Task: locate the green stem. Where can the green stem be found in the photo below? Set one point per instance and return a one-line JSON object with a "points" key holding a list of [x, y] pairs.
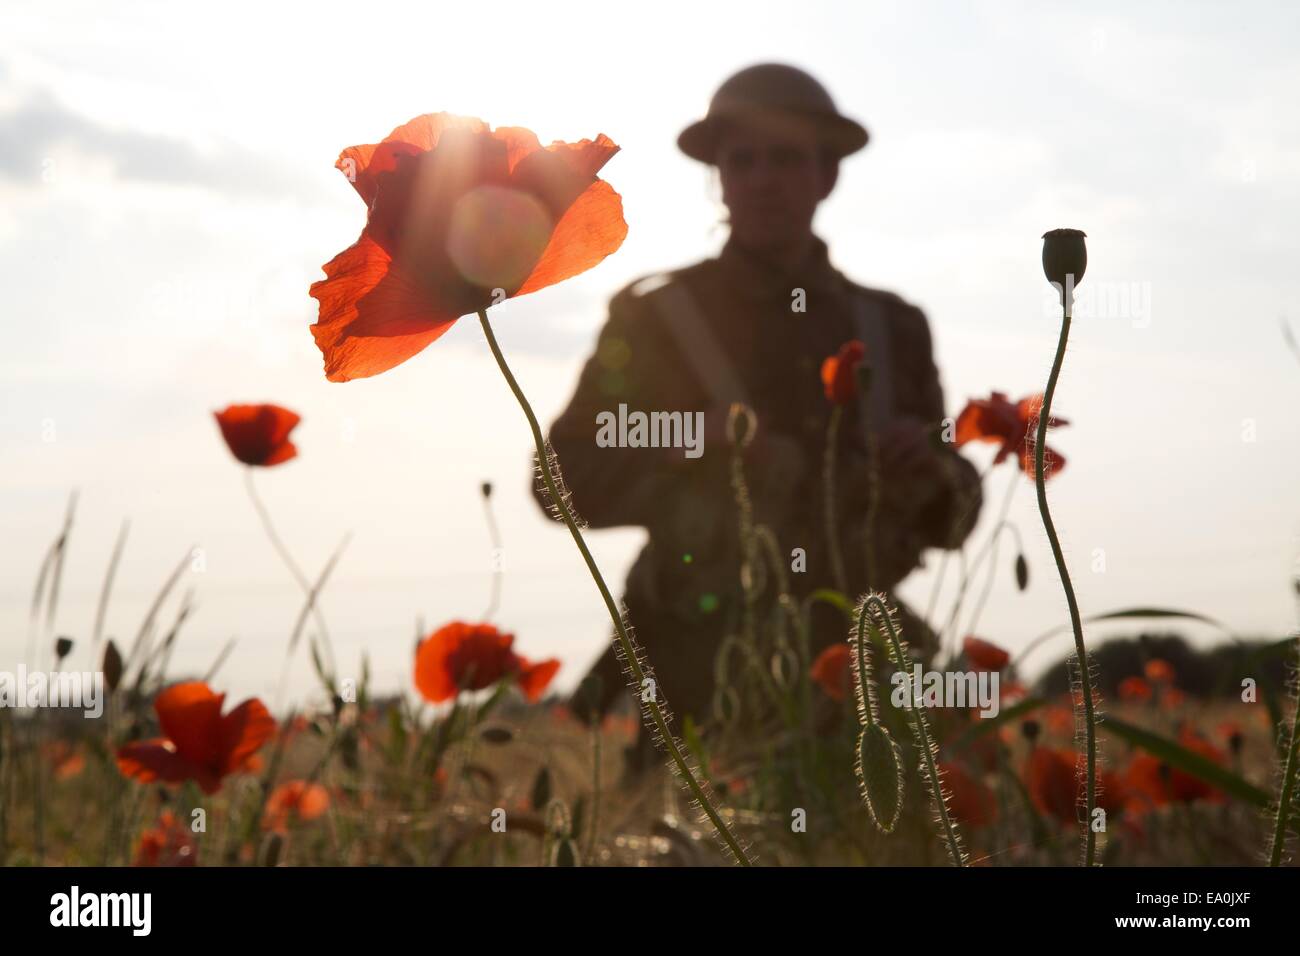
{"points": [[1085, 677], [873, 495], [1288, 790], [625, 641], [828, 505], [863, 689], [921, 727]]}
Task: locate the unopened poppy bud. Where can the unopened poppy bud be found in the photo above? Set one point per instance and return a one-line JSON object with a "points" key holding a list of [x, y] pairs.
{"points": [[1065, 257], [742, 423], [62, 647]]}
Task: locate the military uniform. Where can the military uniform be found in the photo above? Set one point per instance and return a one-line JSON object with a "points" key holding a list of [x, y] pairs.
{"points": [[728, 329]]}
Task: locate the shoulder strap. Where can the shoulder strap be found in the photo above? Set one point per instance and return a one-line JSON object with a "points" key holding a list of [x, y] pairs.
{"points": [[869, 318], [689, 328]]}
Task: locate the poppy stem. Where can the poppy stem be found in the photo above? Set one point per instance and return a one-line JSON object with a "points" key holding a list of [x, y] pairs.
{"points": [[657, 713], [1287, 793], [1081, 651], [278, 543], [925, 746], [828, 504]]}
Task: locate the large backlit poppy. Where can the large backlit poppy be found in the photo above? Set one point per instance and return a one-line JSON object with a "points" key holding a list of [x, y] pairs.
{"points": [[258, 434], [1012, 425], [840, 372], [460, 216], [198, 743], [460, 656]]}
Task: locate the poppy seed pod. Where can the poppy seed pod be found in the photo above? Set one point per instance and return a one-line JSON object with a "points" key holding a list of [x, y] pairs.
{"points": [[1065, 254]]}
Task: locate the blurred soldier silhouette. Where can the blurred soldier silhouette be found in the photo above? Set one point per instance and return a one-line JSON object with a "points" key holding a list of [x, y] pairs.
{"points": [[729, 329]]}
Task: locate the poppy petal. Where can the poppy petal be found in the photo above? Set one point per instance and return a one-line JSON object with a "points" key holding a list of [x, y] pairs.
{"points": [[258, 434], [534, 678], [591, 229], [365, 164], [190, 717], [433, 677], [371, 317], [242, 733], [157, 759]]}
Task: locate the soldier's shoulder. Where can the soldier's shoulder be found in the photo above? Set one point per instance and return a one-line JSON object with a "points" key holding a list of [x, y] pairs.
{"points": [[633, 298], [891, 301], [646, 285]]}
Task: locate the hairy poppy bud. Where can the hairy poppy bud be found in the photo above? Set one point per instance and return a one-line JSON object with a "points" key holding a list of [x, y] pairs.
{"points": [[1065, 258], [742, 423]]}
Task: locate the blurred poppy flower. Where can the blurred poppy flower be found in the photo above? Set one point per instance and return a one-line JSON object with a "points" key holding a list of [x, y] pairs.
{"points": [[832, 671], [970, 801], [840, 372], [985, 656], [1134, 688], [1060, 720], [170, 843], [1010, 424], [463, 656], [1231, 733], [259, 434], [1157, 784], [1172, 699], [292, 801], [1057, 782], [1159, 671], [1053, 784], [198, 743], [457, 211], [67, 759]]}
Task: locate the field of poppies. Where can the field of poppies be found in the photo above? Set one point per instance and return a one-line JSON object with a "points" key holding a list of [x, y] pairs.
{"points": [[1150, 753]]}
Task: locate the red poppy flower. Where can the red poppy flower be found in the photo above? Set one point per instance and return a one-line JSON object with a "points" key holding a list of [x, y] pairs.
{"points": [[969, 800], [985, 656], [294, 800], [832, 670], [1159, 671], [1053, 783], [67, 759], [170, 843], [1172, 699], [1012, 424], [259, 434], [1134, 688], [463, 656], [457, 211], [839, 372], [1059, 720], [198, 743]]}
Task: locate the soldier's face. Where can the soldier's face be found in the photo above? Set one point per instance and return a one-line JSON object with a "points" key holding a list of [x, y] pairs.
{"points": [[771, 184]]}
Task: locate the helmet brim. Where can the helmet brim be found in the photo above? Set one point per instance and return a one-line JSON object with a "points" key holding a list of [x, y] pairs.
{"points": [[840, 134]]}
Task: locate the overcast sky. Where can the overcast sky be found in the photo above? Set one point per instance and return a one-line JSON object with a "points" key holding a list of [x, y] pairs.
{"points": [[167, 195]]}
